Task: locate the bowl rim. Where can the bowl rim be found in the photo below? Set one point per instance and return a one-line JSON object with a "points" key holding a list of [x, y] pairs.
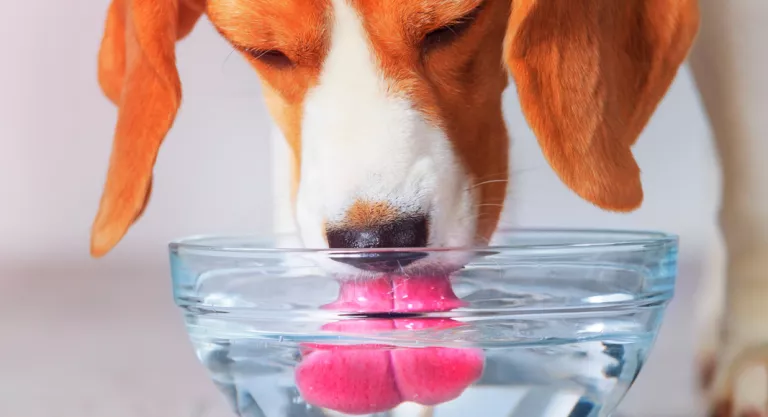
{"points": [[626, 239]]}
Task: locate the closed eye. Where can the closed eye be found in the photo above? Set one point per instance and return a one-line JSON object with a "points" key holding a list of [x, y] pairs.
{"points": [[271, 57], [450, 32]]}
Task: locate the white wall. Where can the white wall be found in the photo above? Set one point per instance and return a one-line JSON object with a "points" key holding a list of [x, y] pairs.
{"points": [[56, 128]]}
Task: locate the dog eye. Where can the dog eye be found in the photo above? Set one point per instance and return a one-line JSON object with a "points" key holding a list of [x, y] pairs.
{"points": [[271, 57], [450, 32]]}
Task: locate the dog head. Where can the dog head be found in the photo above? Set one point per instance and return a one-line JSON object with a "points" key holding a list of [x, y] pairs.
{"points": [[392, 108]]}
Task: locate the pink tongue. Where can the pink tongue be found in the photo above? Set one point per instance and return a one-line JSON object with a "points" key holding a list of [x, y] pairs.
{"points": [[365, 379], [397, 294]]}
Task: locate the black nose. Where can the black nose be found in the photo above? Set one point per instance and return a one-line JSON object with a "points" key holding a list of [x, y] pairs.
{"points": [[406, 232]]}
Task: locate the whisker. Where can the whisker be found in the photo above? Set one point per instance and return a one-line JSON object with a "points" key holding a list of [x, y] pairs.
{"points": [[229, 55], [402, 270], [496, 176], [506, 175], [487, 182]]}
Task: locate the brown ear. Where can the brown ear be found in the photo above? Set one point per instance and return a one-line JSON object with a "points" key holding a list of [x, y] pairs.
{"points": [[137, 71], [589, 75]]}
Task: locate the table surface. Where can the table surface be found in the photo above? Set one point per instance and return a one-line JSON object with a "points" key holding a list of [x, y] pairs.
{"points": [[109, 342]]}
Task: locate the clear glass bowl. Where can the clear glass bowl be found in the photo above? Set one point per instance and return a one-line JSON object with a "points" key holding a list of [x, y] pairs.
{"points": [[553, 323]]}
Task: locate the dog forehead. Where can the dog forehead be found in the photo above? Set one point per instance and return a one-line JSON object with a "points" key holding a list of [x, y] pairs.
{"points": [[418, 9], [259, 19], [403, 12], [252, 8]]}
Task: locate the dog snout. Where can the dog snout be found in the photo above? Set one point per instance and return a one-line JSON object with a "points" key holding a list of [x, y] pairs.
{"points": [[402, 232]]}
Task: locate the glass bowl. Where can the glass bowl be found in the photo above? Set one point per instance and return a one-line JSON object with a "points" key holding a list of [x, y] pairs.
{"points": [[540, 323]]}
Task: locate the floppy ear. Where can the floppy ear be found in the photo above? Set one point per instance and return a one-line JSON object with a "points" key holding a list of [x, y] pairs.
{"points": [[589, 75], [137, 71]]}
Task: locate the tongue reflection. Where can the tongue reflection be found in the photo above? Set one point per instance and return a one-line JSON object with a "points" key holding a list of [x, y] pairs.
{"points": [[364, 379]]}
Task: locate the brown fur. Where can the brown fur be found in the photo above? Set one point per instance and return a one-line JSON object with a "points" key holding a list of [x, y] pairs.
{"points": [[363, 214], [589, 73], [298, 28], [137, 70]]}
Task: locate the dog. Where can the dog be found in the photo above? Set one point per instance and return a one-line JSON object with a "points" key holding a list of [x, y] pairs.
{"points": [[392, 113], [729, 70]]}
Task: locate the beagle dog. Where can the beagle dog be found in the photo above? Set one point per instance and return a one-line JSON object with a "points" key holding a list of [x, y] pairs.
{"points": [[392, 112]]}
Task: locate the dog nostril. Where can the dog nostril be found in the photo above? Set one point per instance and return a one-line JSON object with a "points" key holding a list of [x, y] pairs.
{"points": [[407, 232]]}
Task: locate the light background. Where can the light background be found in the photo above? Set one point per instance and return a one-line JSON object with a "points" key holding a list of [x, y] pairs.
{"points": [[81, 337]]}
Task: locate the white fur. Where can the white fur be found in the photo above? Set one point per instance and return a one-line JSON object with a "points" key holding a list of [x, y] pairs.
{"points": [[361, 140]]}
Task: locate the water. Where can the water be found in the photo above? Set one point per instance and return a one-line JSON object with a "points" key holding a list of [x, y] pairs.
{"points": [[259, 376], [463, 362]]}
